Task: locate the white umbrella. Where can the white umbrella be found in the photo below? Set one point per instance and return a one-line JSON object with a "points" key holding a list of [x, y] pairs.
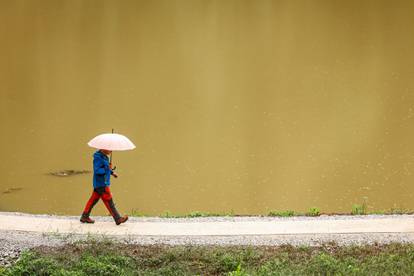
{"points": [[111, 141]]}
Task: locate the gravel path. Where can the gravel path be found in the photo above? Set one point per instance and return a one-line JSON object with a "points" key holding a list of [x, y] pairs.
{"points": [[13, 242]]}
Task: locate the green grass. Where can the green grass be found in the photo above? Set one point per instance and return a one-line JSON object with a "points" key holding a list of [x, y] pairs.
{"points": [[107, 258], [357, 209], [285, 213], [399, 211], [136, 213], [313, 212], [193, 214]]}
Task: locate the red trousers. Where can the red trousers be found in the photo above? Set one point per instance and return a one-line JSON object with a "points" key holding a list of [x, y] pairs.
{"points": [[103, 193]]}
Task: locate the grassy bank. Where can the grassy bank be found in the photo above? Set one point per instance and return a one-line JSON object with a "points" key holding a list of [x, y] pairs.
{"points": [[357, 209], [106, 258]]}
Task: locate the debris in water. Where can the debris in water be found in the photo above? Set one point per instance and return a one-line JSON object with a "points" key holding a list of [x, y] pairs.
{"points": [[12, 189], [64, 173]]}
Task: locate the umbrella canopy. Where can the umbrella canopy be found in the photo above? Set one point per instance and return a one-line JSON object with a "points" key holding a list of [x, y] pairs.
{"points": [[111, 141]]}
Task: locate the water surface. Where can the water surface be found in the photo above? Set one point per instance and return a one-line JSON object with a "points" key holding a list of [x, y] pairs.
{"points": [[233, 105]]}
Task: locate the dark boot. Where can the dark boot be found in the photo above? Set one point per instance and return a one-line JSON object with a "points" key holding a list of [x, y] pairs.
{"points": [[86, 219], [121, 220]]}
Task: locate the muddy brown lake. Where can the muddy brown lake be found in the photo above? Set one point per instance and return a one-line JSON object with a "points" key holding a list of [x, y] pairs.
{"points": [[243, 106]]}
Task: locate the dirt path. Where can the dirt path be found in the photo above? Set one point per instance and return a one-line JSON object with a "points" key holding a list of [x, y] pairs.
{"points": [[228, 226]]}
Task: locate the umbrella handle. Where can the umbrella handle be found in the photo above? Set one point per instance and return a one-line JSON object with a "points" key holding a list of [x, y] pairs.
{"points": [[110, 158]]}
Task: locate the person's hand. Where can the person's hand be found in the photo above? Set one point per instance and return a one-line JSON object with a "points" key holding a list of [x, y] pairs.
{"points": [[115, 174], [110, 166]]}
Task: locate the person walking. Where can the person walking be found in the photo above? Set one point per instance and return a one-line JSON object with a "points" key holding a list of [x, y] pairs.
{"points": [[102, 172]]}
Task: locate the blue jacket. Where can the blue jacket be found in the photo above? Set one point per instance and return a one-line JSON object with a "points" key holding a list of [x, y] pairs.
{"points": [[101, 171]]}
